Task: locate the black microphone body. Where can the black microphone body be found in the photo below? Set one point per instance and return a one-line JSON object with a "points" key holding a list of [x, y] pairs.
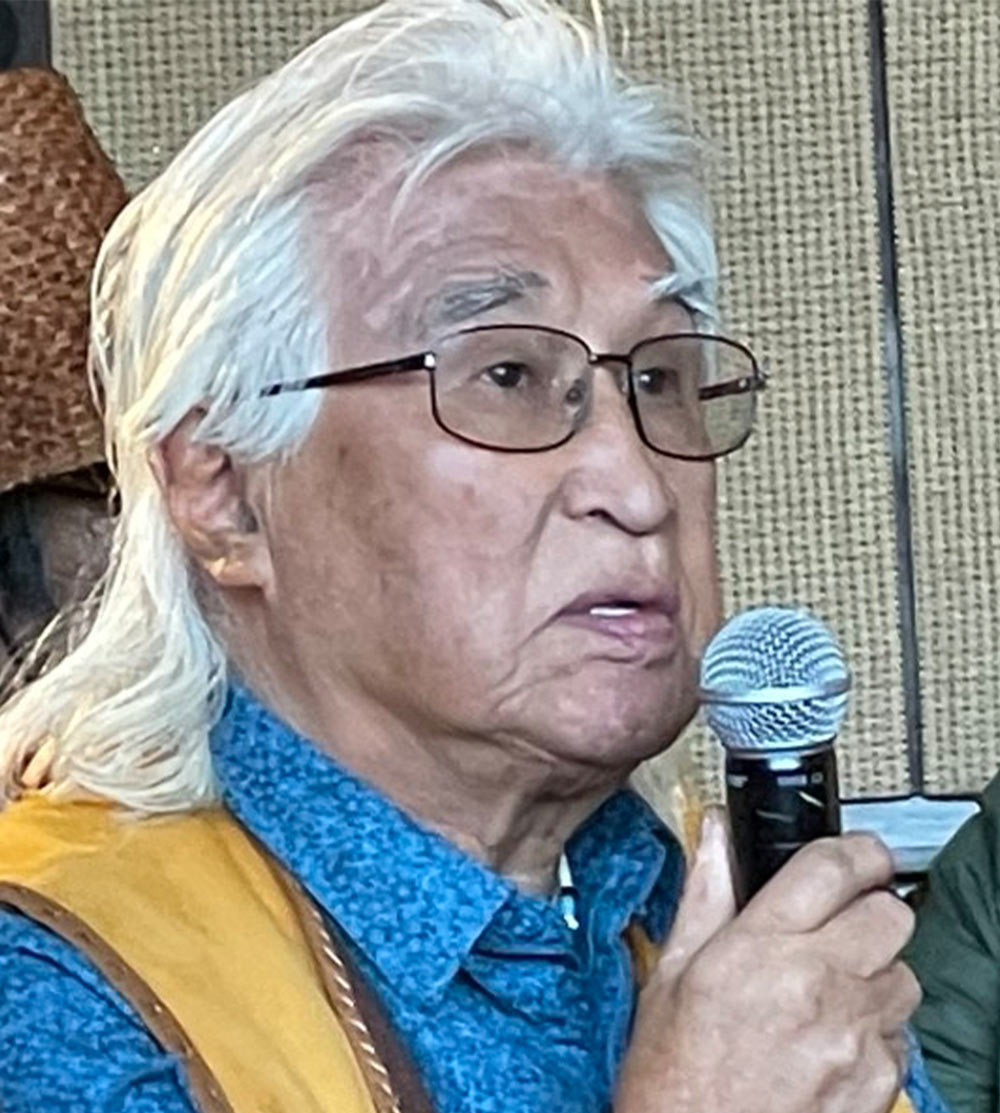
{"points": [[774, 686], [778, 801]]}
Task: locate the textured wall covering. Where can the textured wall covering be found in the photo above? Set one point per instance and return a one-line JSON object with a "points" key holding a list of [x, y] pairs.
{"points": [[943, 63], [783, 89], [151, 71]]}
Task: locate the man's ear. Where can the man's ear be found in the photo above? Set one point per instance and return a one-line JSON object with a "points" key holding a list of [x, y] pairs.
{"points": [[206, 500]]}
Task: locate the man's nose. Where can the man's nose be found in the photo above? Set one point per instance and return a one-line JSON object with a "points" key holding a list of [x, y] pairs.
{"points": [[613, 475]]}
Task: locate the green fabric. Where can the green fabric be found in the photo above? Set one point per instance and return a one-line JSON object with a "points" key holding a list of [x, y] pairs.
{"points": [[956, 955]]}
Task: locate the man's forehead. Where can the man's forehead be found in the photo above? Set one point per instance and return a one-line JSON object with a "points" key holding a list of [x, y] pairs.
{"points": [[452, 254]]}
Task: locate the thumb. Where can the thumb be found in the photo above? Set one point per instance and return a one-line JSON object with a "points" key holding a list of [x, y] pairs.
{"points": [[708, 903]]}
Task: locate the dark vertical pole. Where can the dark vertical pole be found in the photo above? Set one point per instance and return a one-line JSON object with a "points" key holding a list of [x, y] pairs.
{"points": [[895, 371], [25, 33]]}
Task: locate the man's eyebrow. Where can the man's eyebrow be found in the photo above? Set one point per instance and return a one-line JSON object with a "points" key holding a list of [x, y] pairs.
{"points": [[461, 299]]}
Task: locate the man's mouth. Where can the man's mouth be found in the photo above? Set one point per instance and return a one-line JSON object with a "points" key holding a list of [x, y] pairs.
{"points": [[644, 620], [622, 602]]}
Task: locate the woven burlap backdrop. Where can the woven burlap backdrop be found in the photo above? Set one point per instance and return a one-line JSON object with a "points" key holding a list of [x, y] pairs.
{"points": [[783, 88], [943, 63]]}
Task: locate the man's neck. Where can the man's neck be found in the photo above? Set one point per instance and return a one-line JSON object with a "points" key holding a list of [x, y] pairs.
{"points": [[504, 802]]}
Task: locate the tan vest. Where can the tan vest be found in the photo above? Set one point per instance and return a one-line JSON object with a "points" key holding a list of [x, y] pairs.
{"points": [[222, 955]]}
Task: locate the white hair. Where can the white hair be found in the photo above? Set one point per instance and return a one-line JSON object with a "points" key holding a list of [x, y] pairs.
{"points": [[201, 298]]}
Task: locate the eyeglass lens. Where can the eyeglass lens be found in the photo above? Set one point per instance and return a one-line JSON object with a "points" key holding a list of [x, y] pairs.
{"points": [[525, 388]]}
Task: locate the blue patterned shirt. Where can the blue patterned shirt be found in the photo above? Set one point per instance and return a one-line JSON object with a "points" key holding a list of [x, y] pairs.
{"points": [[503, 1007]]}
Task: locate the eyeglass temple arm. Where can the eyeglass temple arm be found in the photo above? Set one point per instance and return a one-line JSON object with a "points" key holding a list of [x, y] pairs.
{"points": [[746, 385], [423, 362]]}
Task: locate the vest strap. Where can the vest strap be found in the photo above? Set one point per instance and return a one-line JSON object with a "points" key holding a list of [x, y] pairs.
{"points": [[392, 1077], [389, 1072], [205, 1090]]}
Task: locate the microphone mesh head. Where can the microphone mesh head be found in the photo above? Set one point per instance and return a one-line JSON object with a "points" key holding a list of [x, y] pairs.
{"points": [[763, 679]]}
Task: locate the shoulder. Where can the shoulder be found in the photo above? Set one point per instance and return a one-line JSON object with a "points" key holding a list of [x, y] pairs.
{"points": [[960, 910], [955, 953], [68, 1040], [31, 953], [966, 873]]}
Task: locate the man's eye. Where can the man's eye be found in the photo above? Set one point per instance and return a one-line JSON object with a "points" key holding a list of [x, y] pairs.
{"points": [[507, 376], [657, 380], [576, 394]]}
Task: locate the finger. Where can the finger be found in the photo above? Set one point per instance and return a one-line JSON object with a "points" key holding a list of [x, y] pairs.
{"points": [[868, 935], [708, 902], [894, 996], [820, 881]]}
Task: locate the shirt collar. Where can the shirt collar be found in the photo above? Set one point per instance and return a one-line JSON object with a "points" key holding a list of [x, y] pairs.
{"points": [[411, 901], [626, 862]]}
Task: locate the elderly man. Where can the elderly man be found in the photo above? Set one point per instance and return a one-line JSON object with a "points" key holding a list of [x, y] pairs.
{"points": [[414, 392]]}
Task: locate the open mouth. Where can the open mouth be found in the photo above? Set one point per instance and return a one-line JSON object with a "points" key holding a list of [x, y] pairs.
{"points": [[624, 603], [642, 621]]}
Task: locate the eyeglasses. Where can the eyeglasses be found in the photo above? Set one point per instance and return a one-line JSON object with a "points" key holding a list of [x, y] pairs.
{"points": [[529, 388]]}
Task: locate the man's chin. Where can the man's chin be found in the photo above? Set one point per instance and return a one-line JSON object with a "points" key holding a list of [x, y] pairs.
{"points": [[621, 742]]}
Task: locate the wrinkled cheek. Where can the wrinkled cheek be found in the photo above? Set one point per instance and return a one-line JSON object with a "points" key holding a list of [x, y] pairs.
{"points": [[713, 606], [704, 588]]}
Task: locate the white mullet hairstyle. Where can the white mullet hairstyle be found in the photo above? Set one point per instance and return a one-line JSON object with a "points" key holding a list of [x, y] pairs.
{"points": [[201, 297]]}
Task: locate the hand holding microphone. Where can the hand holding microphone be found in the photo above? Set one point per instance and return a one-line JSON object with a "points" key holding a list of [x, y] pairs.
{"points": [[796, 1003]]}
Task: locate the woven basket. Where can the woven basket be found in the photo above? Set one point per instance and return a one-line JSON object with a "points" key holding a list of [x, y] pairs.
{"points": [[58, 194]]}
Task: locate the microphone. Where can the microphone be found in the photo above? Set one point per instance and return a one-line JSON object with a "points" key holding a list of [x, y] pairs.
{"points": [[774, 685]]}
